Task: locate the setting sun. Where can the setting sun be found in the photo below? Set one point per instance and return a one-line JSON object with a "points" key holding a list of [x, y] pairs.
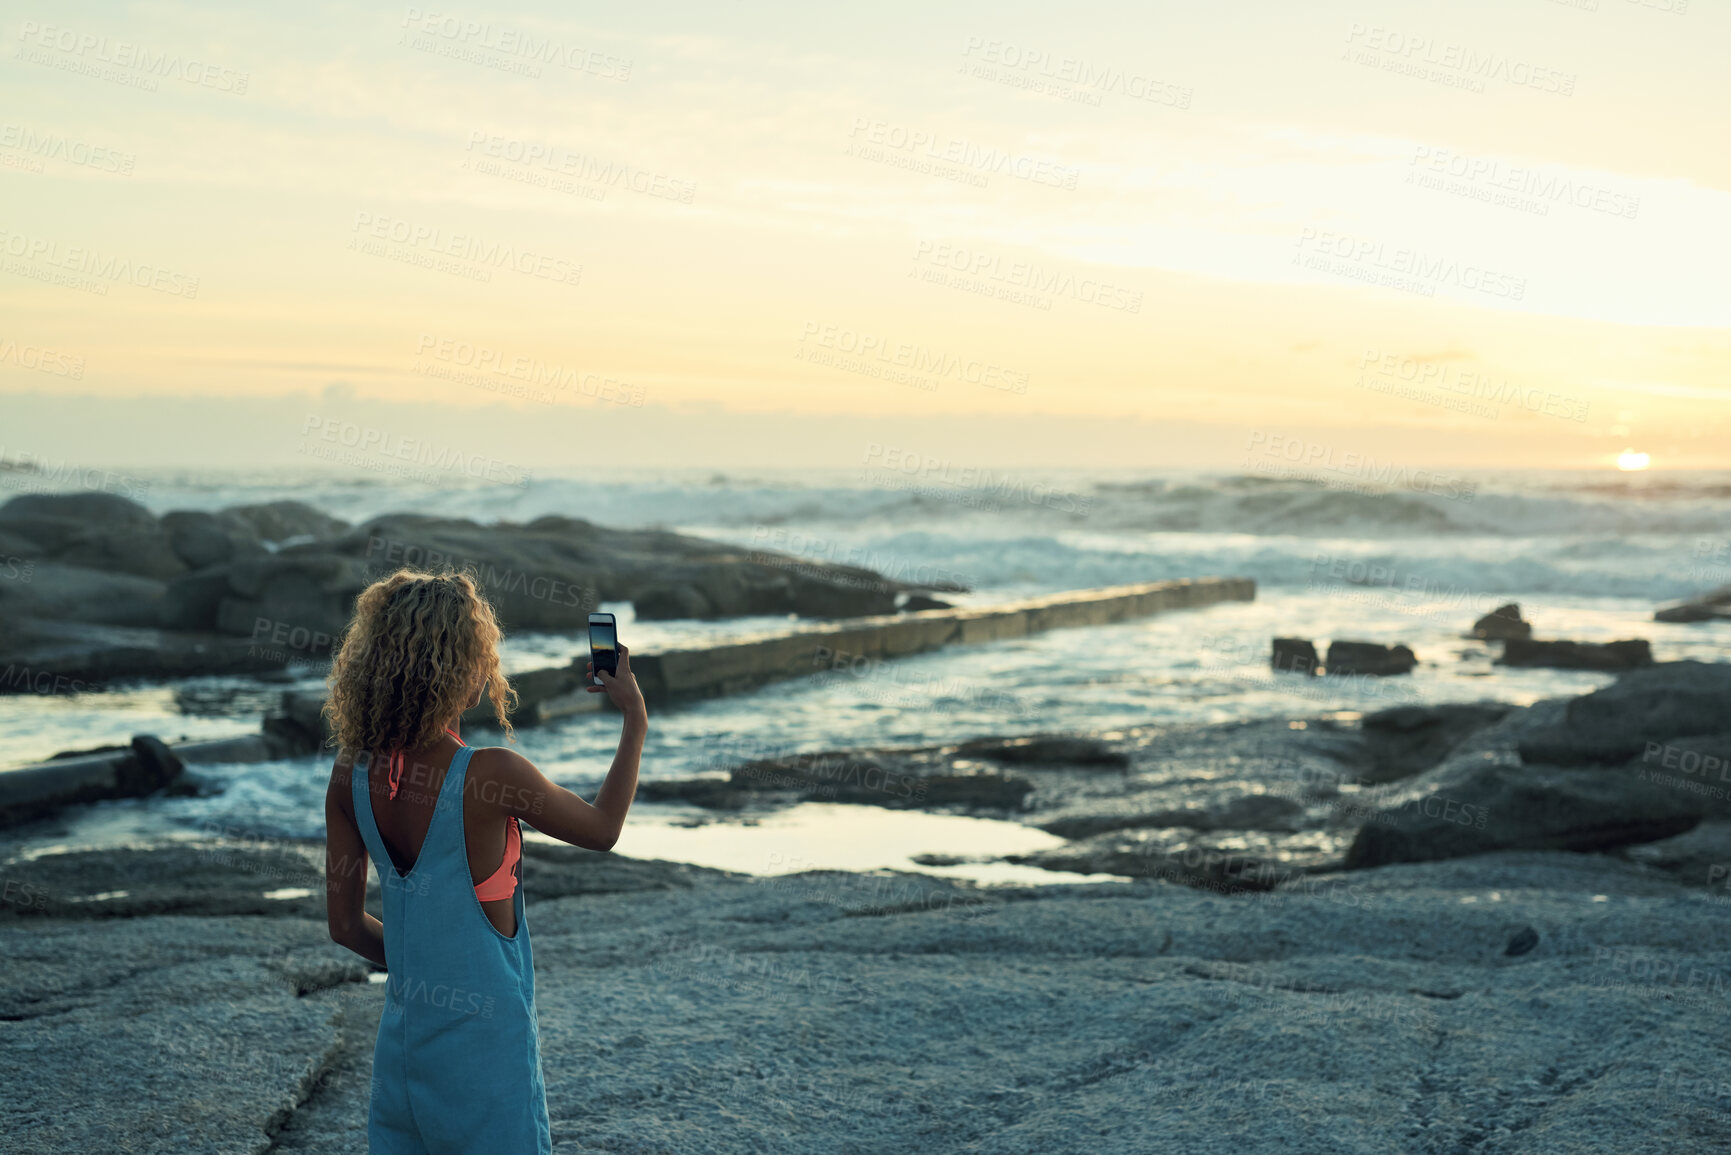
{"points": [[1630, 461]]}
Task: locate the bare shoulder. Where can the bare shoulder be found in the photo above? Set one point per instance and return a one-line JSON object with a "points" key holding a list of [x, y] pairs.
{"points": [[501, 777], [341, 772]]}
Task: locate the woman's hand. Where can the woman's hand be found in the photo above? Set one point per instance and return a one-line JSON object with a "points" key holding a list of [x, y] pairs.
{"points": [[621, 688]]}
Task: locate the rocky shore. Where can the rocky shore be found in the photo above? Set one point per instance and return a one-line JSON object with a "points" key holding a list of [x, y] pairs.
{"points": [[103, 589], [1477, 927]]}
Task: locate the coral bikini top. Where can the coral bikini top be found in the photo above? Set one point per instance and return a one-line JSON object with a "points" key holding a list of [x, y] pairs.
{"points": [[502, 883]]}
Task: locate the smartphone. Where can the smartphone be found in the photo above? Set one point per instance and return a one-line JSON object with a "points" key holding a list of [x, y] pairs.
{"points": [[603, 645]]}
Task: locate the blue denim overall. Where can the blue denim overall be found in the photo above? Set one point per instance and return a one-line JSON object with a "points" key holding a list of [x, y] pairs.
{"points": [[457, 1065]]}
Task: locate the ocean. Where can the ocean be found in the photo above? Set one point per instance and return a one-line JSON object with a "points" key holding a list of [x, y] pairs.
{"points": [[1588, 556]]}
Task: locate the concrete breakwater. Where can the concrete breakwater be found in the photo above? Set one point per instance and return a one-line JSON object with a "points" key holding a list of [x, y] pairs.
{"points": [[689, 675]]}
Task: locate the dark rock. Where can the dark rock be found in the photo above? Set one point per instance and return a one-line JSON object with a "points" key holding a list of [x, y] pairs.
{"points": [[299, 722], [60, 517], [79, 594], [1698, 857], [665, 602], [1521, 942], [846, 777], [1709, 607], [100, 531], [191, 601], [284, 521], [55, 657], [1501, 624], [204, 539], [1629, 654], [1049, 751], [143, 768], [1232, 863], [1272, 812], [1404, 740], [304, 588], [1368, 658], [917, 602], [1484, 805], [1294, 655], [1612, 725]]}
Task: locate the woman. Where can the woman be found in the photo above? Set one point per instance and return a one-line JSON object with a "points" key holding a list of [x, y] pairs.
{"points": [[457, 1065]]}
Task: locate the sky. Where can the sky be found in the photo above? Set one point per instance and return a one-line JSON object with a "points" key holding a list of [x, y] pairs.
{"points": [[1141, 235]]}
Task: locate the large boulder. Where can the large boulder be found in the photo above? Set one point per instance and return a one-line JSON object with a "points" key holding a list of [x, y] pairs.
{"points": [[1630, 654], [283, 522], [95, 530], [1369, 658], [1294, 655], [1404, 740], [1613, 725], [77, 594], [1486, 803], [304, 594], [1501, 624], [1709, 607], [203, 539]]}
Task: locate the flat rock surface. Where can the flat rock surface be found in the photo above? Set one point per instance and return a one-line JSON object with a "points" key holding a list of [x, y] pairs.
{"points": [[1513, 1002]]}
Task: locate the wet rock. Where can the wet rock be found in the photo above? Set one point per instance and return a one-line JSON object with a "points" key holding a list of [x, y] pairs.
{"points": [[1369, 658], [1613, 725], [283, 522], [144, 768], [1057, 750], [76, 657], [74, 593], [863, 779], [191, 601], [1404, 740], [1268, 812], [1229, 863], [1294, 656], [99, 531], [1709, 607], [1628, 654], [202, 539], [1699, 857], [1501, 624], [1484, 804], [917, 602]]}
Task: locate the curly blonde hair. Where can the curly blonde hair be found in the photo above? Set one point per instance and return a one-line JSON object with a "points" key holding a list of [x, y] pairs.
{"points": [[409, 660]]}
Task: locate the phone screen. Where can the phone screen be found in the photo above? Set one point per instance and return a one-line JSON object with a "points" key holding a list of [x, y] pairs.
{"points": [[604, 647]]}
